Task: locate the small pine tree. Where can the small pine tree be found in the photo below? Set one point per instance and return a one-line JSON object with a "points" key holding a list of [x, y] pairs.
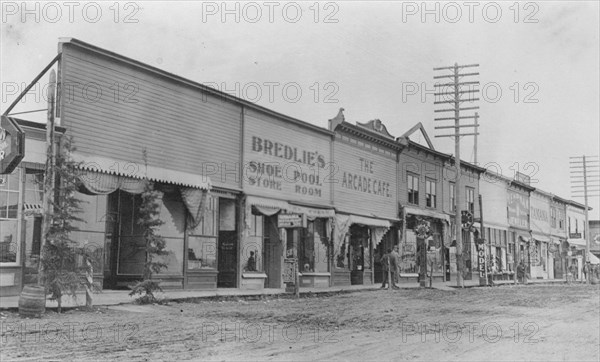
{"points": [[60, 274], [149, 221]]}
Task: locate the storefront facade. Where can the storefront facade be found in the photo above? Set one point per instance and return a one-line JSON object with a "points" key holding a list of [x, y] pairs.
{"points": [[558, 235], [576, 232], [422, 189], [539, 222], [21, 199], [288, 212], [365, 195], [518, 221], [494, 199]]}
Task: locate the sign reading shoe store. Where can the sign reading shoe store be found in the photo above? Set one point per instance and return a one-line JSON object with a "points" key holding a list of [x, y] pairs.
{"points": [[286, 160], [12, 145]]}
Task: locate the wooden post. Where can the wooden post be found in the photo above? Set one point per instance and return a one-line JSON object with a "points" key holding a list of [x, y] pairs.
{"points": [[296, 257], [515, 259], [49, 173], [422, 263], [389, 272], [89, 283]]}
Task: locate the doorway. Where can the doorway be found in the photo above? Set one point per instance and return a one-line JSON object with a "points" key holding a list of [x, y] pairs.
{"points": [[272, 252], [227, 259], [124, 248]]}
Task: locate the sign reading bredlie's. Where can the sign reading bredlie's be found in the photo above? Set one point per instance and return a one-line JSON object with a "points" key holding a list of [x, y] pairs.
{"points": [[285, 161]]}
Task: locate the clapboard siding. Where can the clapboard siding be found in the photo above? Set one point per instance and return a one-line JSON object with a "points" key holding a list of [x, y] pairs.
{"points": [[347, 159], [181, 127], [303, 139]]}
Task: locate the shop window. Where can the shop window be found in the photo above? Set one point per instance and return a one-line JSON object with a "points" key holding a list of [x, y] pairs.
{"points": [[312, 250], [32, 221], [341, 256], [470, 198], [202, 240], [413, 189], [408, 254], [252, 256], [430, 193], [9, 205]]}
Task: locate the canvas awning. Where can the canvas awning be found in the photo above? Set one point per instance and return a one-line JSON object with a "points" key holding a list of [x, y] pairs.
{"points": [[579, 243], [133, 170], [542, 238], [363, 220], [427, 213], [266, 203], [593, 259], [343, 223], [311, 212]]}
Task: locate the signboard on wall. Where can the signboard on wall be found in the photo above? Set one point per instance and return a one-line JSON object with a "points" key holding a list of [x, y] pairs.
{"points": [[289, 221], [12, 145], [365, 179], [518, 209], [286, 161]]}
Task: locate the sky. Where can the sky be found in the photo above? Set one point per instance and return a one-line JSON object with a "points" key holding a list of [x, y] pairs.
{"points": [[538, 64]]}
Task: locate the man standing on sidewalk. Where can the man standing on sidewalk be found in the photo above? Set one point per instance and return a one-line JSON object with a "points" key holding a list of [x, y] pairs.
{"points": [[396, 271], [390, 267]]}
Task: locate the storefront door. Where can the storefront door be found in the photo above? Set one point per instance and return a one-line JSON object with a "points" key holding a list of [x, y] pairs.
{"points": [[124, 244], [228, 245], [273, 253], [227, 259]]}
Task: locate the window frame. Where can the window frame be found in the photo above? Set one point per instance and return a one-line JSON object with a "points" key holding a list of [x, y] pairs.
{"points": [[430, 197], [412, 180], [470, 201], [19, 172], [200, 232], [452, 194]]}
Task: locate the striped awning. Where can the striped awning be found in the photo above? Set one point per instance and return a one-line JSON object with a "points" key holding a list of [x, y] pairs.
{"points": [[136, 171], [311, 212], [266, 202], [32, 208], [428, 213]]}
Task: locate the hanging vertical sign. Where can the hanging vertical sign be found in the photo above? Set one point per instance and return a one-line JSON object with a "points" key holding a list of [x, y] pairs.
{"points": [[481, 261], [12, 145]]}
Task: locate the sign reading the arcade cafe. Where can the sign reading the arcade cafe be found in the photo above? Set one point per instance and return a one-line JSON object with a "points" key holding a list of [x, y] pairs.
{"points": [[285, 161], [12, 145]]}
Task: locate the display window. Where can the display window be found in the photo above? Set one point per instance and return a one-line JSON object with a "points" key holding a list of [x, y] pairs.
{"points": [[202, 240], [313, 248], [9, 225]]}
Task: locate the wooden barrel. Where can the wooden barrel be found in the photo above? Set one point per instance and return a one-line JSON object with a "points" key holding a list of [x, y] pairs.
{"points": [[32, 301]]}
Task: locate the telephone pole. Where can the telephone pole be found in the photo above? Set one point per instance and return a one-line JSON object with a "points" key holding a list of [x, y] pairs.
{"points": [[454, 93], [585, 169]]}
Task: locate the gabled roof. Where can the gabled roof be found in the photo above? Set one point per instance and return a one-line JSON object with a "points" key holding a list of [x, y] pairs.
{"points": [[416, 127]]}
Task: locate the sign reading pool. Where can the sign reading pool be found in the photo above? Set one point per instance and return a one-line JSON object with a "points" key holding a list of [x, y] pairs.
{"points": [[287, 163]]}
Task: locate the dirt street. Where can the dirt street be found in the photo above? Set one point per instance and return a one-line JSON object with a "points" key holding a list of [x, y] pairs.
{"points": [[543, 323]]}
